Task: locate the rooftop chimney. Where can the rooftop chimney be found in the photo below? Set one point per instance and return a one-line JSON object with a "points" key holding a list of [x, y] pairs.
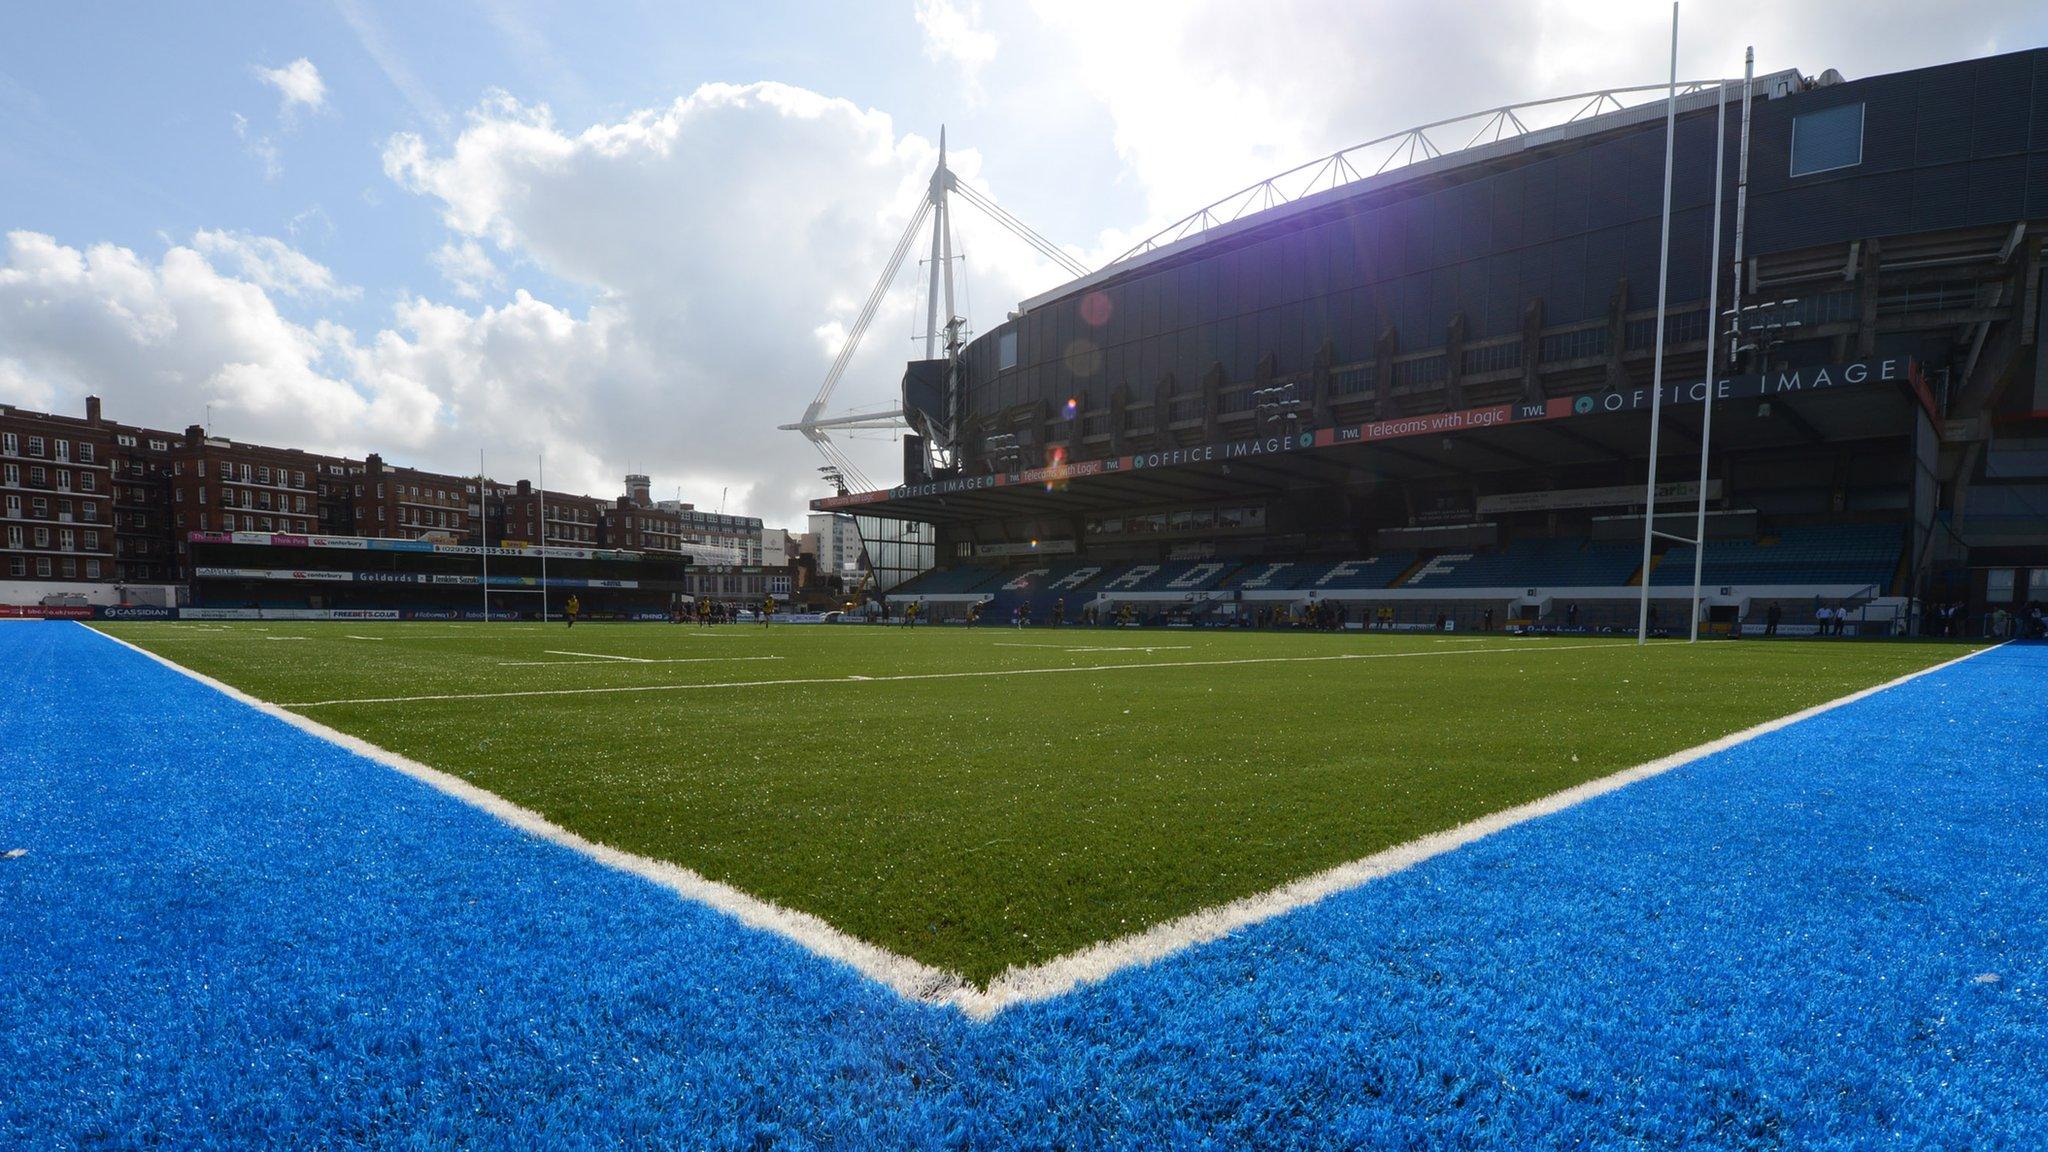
{"points": [[639, 489], [92, 409]]}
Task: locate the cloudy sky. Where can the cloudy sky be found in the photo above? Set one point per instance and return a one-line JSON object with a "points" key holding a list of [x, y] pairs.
{"points": [[632, 234]]}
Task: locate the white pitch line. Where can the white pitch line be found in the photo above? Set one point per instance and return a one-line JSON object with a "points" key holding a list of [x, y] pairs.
{"points": [[1098, 962], [907, 676], [597, 656], [916, 980], [353, 636], [1128, 648], [911, 979], [667, 660]]}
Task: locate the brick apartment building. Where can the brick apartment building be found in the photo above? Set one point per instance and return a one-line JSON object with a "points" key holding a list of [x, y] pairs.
{"points": [[409, 503], [56, 496], [571, 521], [102, 509], [637, 524]]}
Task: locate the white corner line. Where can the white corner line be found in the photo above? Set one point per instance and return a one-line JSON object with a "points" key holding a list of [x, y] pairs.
{"points": [[909, 978], [915, 980]]}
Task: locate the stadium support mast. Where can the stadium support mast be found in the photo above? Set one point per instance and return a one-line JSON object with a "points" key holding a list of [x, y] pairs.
{"points": [[941, 332], [1657, 361], [483, 507]]}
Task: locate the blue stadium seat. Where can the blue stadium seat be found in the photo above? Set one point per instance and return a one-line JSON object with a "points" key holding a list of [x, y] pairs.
{"points": [[1862, 554], [1321, 575], [1565, 563]]}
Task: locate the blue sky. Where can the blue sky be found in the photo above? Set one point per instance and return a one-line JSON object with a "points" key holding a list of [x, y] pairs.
{"points": [[629, 234]]}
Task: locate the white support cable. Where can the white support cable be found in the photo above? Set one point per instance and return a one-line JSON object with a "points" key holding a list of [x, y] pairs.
{"points": [[1020, 229], [868, 310]]}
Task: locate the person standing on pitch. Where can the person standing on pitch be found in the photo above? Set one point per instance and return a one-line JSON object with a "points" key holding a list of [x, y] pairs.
{"points": [[1772, 615], [767, 609], [570, 609]]}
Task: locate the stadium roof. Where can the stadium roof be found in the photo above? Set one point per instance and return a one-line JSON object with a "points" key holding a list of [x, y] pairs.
{"points": [[1413, 154]]}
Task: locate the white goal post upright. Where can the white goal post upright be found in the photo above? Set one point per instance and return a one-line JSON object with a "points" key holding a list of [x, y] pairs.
{"points": [[483, 532], [1657, 361], [540, 463], [1699, 527]]}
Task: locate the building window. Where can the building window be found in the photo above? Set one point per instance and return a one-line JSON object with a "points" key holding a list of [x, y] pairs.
{"points": [[70, 568], [85, 482], [84, 452], [92, 569], [42, 565], [1006, 351], [125, 441], [35, 445], [1828, 139], [9, 444], [17, 566], [157, 446]]}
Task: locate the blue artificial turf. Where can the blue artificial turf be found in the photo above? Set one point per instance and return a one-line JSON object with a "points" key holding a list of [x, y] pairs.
{"points": [[227, 934]]}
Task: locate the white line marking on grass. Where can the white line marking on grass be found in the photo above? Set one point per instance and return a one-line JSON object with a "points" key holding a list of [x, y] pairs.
{"points": [[287, 637], [916, 980], [597, 656], [909, 978], [1127, 648], [353, 636], [1098, 962], [667, 660], [908, 676]]}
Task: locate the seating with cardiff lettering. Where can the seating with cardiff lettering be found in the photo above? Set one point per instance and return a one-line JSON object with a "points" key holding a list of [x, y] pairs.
{"points": [[1176, 576], [1321, 575], [1561, 563]]}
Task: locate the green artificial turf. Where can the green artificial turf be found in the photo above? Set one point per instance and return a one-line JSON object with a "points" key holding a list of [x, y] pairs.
{"points": [[981, 821]]}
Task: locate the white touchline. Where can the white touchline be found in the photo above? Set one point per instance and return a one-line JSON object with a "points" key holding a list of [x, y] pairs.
{"points": [[918, 981], [608, 660], [1125, 648], [597, 656], [910, 978], [906, 676]]}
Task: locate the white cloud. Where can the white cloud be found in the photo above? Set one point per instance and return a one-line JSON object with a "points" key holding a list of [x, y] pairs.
{"points": [[725, 243], [952, 32], [160, 340], [273, 265], [467, 268], [260, 146], [730, 238], [298, 86]]}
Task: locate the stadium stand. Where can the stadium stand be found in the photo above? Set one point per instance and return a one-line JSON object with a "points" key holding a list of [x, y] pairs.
{"points": [[1862, 554], [1326, 576], [947, 581], [1567, 563]]}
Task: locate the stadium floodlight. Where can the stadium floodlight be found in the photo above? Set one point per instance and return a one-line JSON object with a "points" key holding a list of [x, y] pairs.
{"points": [[1004, 452], [1280, 402]]}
